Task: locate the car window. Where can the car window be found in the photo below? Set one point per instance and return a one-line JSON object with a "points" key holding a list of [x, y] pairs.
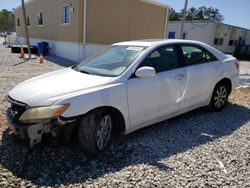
{"points": [[193, 55], [196, 55], [155, 54], [210, 57], [112, 61], [162, 59]]}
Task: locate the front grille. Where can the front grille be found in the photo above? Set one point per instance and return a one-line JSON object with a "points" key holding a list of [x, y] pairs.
{"points": [[16, 108], [16, 111]]}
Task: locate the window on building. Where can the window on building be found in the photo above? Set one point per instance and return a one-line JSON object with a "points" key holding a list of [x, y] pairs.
{"points": [[18, 22], [65, 14], [216, 40], [28, 21], [221, 41], [231, 42], [40, 18], [171, 35]]}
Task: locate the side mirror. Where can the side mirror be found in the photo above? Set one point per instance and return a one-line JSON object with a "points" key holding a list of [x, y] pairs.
{"points": [[145, 72]]}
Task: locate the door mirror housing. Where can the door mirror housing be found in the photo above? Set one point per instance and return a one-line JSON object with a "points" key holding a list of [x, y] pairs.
{"points": [[145, 72]]}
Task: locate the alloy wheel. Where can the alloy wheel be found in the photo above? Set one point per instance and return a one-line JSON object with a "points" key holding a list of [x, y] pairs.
{"points": [[104, 132], [220, 96]]}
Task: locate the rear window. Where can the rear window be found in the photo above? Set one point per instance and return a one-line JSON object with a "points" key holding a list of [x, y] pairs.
{"points": [[195, 54]]}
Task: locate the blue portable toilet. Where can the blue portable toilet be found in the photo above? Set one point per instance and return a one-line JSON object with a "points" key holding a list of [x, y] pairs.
{"points": [[43, 48]]}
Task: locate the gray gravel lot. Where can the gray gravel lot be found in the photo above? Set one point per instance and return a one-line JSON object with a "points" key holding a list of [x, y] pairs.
{"points": [[244, 74], [198, 149]]}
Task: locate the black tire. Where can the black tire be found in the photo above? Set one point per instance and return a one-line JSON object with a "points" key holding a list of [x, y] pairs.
{"points": [[219, 97], [90, 130]]}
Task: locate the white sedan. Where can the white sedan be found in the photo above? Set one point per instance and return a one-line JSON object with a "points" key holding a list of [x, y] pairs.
{"points": [[125, 87]]}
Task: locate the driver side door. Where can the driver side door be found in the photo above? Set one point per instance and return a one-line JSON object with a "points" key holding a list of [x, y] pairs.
{"points": [[156, 97]]}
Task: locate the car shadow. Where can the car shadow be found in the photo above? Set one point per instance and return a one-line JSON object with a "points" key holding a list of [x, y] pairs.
{"points": [[59, 61], [51, 164]]}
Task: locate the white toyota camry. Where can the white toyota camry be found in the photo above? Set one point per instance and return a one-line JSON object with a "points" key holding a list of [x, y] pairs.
{"points": [[125, 87]]}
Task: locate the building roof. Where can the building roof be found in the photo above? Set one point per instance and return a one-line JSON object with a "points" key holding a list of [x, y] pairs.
{"points": [[26, 3], [209, 21], [146, 1], [156, 3]]}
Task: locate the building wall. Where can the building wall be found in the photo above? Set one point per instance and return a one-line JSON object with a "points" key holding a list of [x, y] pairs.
{"points": [[113, 21], [73, 51], [52, 28], [208, 31], [248, 38], [227, 33], [147, 21], [200, 31], [107, 21]]}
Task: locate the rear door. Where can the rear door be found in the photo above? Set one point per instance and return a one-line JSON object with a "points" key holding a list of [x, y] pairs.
{"points": [[203, 72]]}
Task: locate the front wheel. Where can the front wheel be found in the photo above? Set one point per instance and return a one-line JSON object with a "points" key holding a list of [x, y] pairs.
{"points": [[219, 97], [94, 132]]}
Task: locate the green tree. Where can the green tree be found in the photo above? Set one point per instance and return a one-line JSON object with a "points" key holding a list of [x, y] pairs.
{"points": [[191, 13], [7, 20], [174, 16], [201, 13]]}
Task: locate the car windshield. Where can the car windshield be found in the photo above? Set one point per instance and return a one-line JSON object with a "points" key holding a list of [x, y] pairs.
{"points": [[112, 61]]}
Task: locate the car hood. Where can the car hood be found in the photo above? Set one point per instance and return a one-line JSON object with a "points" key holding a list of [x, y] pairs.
{"points": [[46, 89]]}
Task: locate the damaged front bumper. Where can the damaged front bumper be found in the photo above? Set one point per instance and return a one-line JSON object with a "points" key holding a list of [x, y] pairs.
{"points": [[34, 132]]}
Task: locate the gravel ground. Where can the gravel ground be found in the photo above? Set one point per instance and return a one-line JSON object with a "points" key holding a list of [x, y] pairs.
{"points": [[244, 74], [198, 149]]}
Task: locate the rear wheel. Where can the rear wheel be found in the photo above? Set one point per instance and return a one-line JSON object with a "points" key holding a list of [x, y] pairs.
{"points": [[94, 132], [219, 97]]}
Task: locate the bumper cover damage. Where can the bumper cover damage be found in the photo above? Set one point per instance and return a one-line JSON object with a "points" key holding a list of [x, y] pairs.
{"points": [[34, 132]]}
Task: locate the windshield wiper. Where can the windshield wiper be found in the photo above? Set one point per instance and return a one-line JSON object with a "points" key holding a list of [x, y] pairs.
{"points": [[76, 68], [83, 71]]}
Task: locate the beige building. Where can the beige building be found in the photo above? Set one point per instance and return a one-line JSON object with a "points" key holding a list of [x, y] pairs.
{"points": [[76, 29], [219, 35]]}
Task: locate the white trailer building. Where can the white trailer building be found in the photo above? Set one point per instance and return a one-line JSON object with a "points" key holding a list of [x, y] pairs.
{"points": [[219, 35]]}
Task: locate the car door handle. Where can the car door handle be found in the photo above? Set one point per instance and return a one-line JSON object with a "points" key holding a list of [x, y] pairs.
{"points": [[179, 77]]}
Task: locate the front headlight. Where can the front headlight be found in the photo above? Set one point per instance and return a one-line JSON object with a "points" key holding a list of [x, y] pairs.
{"points": [[38, 114]]}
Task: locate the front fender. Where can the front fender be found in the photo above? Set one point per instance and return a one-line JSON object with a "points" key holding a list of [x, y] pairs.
{"points": [[114, 95]]}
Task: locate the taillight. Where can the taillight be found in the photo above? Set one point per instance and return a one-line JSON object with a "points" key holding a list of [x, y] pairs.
{"points": [[237, 64]]}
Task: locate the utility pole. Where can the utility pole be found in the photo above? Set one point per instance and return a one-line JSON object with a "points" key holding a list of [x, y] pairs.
{"points": [[183, 17], [26, 29]]}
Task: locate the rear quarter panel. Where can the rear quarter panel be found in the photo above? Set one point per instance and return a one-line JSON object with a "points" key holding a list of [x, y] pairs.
{"points": [[230, 70]]}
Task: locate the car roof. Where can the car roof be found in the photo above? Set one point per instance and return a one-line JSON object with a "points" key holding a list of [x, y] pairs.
{"points": [[150, 42], [157, 42]]}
